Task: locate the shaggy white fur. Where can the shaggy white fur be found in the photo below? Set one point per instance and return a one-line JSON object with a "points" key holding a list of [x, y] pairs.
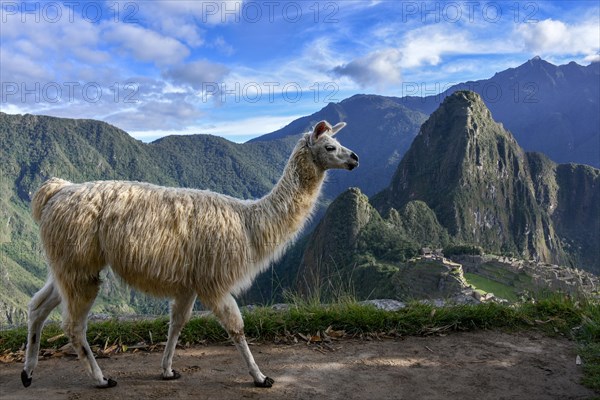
{"points": [[171, 242]]}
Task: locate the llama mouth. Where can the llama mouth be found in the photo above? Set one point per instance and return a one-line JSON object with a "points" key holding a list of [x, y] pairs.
{"points": [[351, 166]]}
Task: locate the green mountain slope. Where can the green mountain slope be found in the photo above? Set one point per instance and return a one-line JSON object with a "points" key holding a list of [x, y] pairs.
{"points": [[247, 170]]}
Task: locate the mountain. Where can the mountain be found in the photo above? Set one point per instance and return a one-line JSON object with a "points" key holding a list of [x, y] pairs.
{"points": [[34, 148], [464, 183], [471, 172], [550, 109], [486, 190]]}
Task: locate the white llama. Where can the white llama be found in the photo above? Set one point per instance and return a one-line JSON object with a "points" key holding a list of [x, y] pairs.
{"points": [[171, 242]]}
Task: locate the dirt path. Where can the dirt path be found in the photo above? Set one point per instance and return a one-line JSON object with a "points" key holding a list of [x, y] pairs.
{"points": [[480, 365]]}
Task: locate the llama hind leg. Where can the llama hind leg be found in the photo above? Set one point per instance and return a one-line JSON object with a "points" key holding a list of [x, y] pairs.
{"points": [[42, 303], [79, 297], [181, 310], [228, 313]]}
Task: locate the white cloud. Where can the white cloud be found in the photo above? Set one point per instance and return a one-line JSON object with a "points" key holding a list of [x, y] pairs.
{"points": [[196, 73], [250, 127], [318, 56], [147, 45], [49, 46], [345, 56], [592, 58], [170, 112], [309, 71], [312, 64], [14, 109], [379, 68], [185, 31], [188, 20], [552, 37], [20, 68], [221, 45], [91, 56], [402, 53], [427, 45]]}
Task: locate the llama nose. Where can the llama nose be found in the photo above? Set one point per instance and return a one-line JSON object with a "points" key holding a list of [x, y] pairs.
{"points": [[354, 156]]}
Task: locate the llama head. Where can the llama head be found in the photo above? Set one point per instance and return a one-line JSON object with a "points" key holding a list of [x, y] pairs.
{"points": [[327, 152]]}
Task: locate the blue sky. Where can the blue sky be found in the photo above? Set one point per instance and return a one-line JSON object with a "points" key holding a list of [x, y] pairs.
{"points": [[239, 69]]}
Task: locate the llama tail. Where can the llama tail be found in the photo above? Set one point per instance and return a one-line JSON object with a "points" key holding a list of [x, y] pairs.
{"points": [[45, 193]]}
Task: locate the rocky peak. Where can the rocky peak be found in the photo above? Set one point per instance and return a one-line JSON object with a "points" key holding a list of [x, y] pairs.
{"points": [[470, 171], [459, 143]]}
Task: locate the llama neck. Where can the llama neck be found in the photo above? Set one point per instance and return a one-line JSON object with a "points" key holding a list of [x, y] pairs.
{"points": [[282, 213]]}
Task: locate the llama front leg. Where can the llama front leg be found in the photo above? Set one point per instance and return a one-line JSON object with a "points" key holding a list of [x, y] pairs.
{"points": [[228, 313], [40, 307], [181, 310]]}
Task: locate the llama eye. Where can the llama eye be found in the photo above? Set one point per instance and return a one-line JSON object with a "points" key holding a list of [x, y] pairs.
{"points": [[330, 148]]}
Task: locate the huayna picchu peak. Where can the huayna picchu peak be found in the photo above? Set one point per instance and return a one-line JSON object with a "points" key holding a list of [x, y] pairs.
{"points": [[487, 191]]}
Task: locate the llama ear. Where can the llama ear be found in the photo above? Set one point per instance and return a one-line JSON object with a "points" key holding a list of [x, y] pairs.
{"points": [[321, 128], [338, 127]]}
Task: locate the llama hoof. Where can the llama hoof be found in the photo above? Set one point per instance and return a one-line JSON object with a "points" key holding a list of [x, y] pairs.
{"points": [[108, 384], [267, 383], [25, 378], [176, 375]]}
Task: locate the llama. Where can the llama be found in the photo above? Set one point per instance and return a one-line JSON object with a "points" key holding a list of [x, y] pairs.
{"points": [[171, 242]]}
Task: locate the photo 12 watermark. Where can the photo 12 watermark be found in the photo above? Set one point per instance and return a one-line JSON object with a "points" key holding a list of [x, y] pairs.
{"points": [[468, 11], [203, 11], [253, 92], [269, 11], [54, 11], [68, 92], [490, 92]]}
